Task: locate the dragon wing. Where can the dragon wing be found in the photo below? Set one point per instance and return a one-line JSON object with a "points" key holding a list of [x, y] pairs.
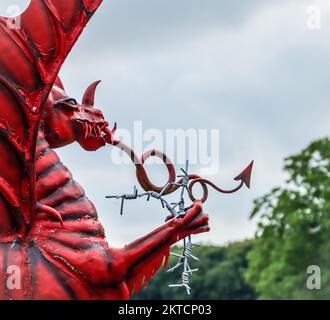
{"points": [[30, 59]]}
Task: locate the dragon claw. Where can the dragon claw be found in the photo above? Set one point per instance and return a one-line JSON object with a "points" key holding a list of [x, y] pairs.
{"points": [[51, 212]]}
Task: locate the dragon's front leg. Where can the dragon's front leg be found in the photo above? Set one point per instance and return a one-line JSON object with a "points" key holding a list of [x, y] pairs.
{"points": [[141, 259]]}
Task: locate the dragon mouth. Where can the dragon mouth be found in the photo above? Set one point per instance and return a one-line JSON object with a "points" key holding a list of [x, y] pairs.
{"points": [[91, 130], [93, 135]]}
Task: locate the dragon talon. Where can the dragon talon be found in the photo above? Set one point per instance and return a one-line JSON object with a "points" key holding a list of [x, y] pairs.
{"points": [[50, 211]]}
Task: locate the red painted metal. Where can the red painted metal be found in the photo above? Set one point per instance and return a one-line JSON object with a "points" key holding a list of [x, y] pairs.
{"points": [[49, 229]]}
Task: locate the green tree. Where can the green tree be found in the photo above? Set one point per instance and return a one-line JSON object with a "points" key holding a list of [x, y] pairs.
{"points": [[220, 276], [294, 229]]}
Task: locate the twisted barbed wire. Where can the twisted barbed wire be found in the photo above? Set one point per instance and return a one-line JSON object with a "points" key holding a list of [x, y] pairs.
{"points": [[149, 194], [184, 260], [177, 209], [187, 243]]}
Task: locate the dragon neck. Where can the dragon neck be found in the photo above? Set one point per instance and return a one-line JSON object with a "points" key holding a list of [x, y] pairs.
{"points": [[56, 187]]}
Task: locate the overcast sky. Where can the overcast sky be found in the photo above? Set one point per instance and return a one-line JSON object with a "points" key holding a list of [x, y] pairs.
{"points": [[252, 69]]}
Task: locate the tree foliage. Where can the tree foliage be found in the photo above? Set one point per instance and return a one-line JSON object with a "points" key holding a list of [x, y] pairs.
{"points": [[294, 229]]}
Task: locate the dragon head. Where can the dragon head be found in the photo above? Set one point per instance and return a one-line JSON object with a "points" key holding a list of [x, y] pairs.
{"points": [[66, 121]]}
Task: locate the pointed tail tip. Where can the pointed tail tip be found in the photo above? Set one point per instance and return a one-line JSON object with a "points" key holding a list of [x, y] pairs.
{"points": [[245, 175]]}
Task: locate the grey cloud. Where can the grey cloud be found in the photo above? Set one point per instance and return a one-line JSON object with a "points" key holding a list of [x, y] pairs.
{"points": [[132, 24]]}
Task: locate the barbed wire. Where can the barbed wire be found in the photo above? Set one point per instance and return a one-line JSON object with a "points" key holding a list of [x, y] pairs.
{"points": [[177, 209], [187, 244], [149, 194]]}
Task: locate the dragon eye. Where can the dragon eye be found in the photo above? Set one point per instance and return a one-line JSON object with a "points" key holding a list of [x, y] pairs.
{"points": [[71, 101], [68, 104]]}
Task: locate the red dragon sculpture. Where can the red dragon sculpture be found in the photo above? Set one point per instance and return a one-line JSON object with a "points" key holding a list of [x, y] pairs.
{"points": [[49, 229]]}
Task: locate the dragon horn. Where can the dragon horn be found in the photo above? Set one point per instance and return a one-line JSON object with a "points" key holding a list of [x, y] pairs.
{"points": [[89, 95]]}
